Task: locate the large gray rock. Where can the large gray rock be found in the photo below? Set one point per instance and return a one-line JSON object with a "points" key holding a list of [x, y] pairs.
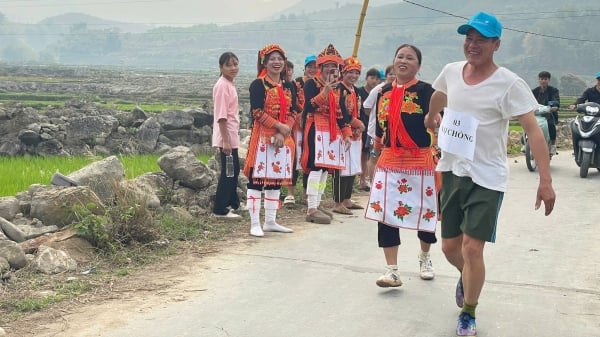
{"points": [[13, 254], [52, 261], [176, 119], [101, 176], [9, 207], [181, 165], [12, 232], [148, 134], [89, 128], [54, 207]]}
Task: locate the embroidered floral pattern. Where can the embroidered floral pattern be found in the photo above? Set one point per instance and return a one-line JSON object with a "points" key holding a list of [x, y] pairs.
{"points": [[376, 206], [402, 210], [403, 186], [429, 214], [429, 191]]}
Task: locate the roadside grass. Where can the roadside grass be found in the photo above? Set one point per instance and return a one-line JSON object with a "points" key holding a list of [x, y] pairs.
{"points": [[28, 291], [107, 266], [18, 173]]}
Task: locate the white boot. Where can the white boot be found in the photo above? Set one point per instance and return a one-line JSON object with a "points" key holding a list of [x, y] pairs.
{"points": [[322, 186], [312, 189], [253, 204], [271, 207]]}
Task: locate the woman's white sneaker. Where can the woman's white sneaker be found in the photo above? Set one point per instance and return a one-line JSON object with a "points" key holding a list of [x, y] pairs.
{"points": [[229, 215], [390, 278]]}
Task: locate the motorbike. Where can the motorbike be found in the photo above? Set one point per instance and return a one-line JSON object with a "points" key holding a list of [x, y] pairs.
{"points": [[541, 113], [586, 137]]}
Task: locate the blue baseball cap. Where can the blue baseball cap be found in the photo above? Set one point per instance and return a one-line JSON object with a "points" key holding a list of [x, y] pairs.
{"points": [[598, 75], [309, 59], [381, 74], [486, 24]]}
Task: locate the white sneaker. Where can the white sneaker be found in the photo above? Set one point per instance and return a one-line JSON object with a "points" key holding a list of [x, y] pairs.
{"points": [[242, 208], [289, 200], [229, 216], [389, 279], [427, 272]]}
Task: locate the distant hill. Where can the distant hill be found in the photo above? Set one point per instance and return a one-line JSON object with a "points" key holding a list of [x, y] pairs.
{"points": [[308, 26], [69, 19]]}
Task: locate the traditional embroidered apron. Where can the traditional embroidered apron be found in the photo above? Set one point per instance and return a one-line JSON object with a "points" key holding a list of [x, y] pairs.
{"points": [[351, 159], [405, 197], [328, 152], [272, 162], [298, 141]]}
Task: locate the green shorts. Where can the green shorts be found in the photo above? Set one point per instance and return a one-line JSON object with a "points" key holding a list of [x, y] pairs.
{"points": [[468, 208]]}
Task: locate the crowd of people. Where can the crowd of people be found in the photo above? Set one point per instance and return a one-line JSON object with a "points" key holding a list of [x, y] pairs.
{"points": [[400, 136]]}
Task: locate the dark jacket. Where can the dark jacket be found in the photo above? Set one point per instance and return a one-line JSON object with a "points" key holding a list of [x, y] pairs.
{"points": [[589, 95], [543, 97]]}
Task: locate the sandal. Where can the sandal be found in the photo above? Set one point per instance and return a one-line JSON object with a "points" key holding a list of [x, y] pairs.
{"points": [[342, 210], [354, 206]]}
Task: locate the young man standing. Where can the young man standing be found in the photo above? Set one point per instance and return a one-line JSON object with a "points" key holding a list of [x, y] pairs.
{"points": [[479, 98]]}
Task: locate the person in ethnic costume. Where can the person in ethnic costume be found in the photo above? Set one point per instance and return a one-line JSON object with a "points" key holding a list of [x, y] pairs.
{"points": [[351, 106], [271, 148], [404, 191], [296, 135], [327, 132], [310, 71]]}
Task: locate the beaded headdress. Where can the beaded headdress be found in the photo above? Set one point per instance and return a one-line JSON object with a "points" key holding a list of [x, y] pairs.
{"points": [[262, 56], [351, 63], [329, 54]]}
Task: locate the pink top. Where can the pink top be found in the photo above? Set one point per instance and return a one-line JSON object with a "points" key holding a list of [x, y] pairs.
{"points": [[225, 101]]}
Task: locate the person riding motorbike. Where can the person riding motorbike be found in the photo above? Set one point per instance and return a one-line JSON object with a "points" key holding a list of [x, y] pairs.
{"points": [[548, 95], [589, 95]]}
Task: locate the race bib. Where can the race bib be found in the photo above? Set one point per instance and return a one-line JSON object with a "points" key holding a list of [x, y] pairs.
{"points": [[458, 134]]}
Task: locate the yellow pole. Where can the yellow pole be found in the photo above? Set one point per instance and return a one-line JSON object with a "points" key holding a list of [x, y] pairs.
{"points": [[363, 12]]}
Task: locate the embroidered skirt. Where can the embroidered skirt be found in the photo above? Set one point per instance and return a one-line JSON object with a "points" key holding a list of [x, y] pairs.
{"points": [[351, 159], [328, 152], [403, 191]]}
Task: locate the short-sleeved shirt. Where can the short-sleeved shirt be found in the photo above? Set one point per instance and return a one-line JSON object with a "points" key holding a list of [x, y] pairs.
{"points": [[493, 102], [369, 103], [225, 101]]}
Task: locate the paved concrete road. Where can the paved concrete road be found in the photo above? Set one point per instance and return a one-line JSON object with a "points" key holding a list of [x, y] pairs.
{"points": [[543, 277]]}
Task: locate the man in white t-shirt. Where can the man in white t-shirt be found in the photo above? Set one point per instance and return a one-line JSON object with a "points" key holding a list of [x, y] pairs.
{"points": [[369, 106], [480, 98]]}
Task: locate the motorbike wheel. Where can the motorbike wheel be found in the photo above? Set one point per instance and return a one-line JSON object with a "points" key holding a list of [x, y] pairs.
{"points": [[529, 160], [586, 159]]}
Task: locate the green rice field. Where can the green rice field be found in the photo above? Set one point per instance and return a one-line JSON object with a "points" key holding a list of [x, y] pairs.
{"points": [[18, 173]]}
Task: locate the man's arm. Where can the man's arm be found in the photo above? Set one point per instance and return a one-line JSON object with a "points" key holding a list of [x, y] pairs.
{"points": [[539, 148], [438, 102]]}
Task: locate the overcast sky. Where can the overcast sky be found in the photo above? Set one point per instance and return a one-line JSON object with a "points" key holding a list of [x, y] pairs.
{"points": [[163, 12]]}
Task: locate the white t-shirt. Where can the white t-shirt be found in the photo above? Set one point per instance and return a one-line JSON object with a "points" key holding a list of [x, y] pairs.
{"points": [[493, 102], [370, 103]]}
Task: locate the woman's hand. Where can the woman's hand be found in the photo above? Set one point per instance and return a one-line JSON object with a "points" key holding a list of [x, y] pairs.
{"points": [[283, 129], [278, 140], [226, 147], [347, 142]]}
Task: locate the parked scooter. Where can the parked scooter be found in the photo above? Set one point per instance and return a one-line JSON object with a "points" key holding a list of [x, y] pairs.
{"points": [[541, 113], [586, 137]]}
